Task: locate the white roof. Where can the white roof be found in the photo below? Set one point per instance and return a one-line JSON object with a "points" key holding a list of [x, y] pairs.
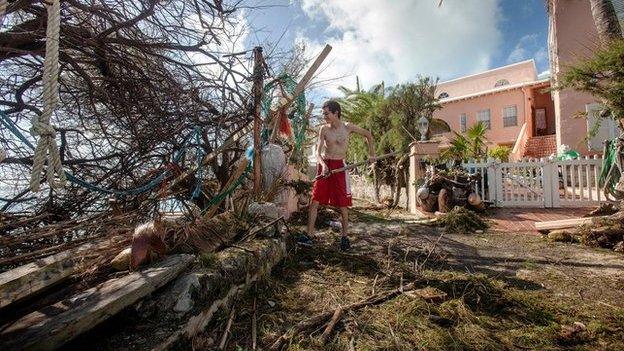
{"points": [[495, 90]]}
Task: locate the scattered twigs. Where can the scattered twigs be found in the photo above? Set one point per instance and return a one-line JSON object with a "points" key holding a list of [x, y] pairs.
{"points": [[254, 320], [226, 332], [324, 317], [332, 323]]}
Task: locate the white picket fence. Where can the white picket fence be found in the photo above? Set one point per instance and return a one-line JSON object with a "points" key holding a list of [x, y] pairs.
{"points": [[539, 183]]}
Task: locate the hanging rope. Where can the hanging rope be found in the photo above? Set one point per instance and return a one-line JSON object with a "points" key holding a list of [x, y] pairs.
{"points": [[41, 124], [10, 125]]}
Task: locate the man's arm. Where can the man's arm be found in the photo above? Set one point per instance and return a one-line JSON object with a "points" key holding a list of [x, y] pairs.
{"points": [[369, 139], [319, 146]]}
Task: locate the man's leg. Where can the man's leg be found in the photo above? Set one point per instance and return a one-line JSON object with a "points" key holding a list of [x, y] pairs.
{"points": [[312, 211], [344, 240], [344, 214]]}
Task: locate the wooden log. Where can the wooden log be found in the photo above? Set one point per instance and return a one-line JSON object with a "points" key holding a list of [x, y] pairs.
{"points": [[566, 223], [258, 74], [27, 280], [55, 325]]}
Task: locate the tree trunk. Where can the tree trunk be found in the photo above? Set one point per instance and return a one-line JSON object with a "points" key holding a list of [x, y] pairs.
{"points": [[376, 184], [397, 193], [606, 20]]}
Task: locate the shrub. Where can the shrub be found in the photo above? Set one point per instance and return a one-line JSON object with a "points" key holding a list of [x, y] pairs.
{"points": [[500, 153]]}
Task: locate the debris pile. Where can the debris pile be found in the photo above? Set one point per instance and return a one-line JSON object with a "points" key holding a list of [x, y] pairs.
{"points": [[461, 220], [595, 230]]}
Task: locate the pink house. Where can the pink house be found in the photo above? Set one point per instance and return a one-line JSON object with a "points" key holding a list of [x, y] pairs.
{"points": [[511, 100], [516, 103]]}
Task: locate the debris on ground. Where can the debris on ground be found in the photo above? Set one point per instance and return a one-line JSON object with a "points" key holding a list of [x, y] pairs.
{"points": [[562, 235], [604, 209], [597, 231], [461, 220]]}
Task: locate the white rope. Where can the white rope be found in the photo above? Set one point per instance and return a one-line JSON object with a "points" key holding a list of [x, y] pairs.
{"points": [[41, 124], [3, 6]]}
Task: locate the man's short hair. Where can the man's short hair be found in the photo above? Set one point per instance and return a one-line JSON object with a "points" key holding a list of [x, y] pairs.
{"points": [[332, 106]]}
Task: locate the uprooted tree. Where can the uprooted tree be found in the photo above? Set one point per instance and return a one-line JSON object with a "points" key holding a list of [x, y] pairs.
{"points": [[146, 89]]}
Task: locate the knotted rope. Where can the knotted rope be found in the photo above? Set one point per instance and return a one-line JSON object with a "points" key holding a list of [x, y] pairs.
{"points": [[41, 124]]}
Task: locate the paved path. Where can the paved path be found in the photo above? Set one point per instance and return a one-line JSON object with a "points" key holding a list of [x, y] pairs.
{"points": [[516, 220]]}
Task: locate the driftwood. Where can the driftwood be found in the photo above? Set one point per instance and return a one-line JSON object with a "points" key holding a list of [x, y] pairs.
{"points": [[32, 278], [55, 325], [184, 308]]}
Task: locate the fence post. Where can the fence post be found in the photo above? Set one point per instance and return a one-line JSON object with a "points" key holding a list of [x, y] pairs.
{"points": [[495, 182]]}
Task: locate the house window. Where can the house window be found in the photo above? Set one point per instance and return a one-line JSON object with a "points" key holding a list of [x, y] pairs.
{"points": [[510, 116], [484, 116], [443, 95], [501, 82], [462, 122]]}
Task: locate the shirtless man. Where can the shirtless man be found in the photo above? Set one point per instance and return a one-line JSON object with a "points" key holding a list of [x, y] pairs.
{"points": [[331, 151]]}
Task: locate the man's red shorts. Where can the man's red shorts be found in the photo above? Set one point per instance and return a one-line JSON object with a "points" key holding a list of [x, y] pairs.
{"points": [[334, 190]]}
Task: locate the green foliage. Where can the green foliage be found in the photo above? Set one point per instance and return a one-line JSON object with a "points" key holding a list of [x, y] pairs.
{"points": [[363, 108], [500, 152], [392, 118], [602, 76], [471, 145]]}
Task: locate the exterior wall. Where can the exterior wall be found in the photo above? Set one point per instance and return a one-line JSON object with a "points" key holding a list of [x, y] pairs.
{"points": [[498, 134], [517, 73], [572, 37]]}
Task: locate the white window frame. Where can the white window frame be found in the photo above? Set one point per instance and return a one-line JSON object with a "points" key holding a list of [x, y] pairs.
{"points": [[488, 121], [463, 122], [506, 117]]}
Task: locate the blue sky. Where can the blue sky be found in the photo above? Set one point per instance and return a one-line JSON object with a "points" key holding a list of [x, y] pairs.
{"points": [[395, 40]]}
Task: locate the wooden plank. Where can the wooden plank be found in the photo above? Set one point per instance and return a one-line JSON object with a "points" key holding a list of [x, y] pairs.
{"points": [[55, 325], [565, 223], [21, 282]]}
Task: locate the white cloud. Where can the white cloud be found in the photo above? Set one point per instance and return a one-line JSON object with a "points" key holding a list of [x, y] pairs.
{"points": [[529, 47], [394, 40]]}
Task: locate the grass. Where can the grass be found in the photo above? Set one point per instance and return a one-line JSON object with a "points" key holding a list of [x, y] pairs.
{"points": [[482, 311]]}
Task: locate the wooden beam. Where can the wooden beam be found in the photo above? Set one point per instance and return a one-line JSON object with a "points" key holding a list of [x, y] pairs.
{"points": [[566, 223], [53, 326], [24, 281], [310, 73], [258, 74]]}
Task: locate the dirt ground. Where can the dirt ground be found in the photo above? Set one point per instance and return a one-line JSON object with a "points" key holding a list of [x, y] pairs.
{"points": [[504, 292]]}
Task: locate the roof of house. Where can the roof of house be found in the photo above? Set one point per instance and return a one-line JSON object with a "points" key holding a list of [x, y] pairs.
{"points": [[490, 71], [496, 90]]}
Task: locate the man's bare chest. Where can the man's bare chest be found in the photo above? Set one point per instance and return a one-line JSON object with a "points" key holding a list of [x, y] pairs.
{"points": [[337, 137]]}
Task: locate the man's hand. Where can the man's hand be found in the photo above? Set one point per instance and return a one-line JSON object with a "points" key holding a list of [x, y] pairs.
{"points": [[324, 170]]}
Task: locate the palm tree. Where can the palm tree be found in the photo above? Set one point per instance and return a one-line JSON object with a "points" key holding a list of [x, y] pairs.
{"points": [[476, 135], [471, 145], [605, 19]]}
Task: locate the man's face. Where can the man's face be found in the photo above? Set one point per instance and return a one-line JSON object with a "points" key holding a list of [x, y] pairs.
{"points": [[329, 116]]}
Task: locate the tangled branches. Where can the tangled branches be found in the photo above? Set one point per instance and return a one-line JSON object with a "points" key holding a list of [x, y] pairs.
{"points": [[136, 78]]}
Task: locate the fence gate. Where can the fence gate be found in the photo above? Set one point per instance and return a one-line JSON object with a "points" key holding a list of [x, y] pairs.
{"points": [[539, 183]]}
